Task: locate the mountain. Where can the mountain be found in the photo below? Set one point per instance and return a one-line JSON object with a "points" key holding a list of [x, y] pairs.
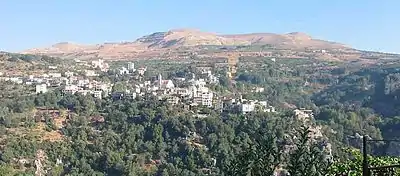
{"points": [[180, 43]]}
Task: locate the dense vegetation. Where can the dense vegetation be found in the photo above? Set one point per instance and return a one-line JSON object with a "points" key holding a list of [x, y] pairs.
{"points": [[146, 136], [24, 64]]}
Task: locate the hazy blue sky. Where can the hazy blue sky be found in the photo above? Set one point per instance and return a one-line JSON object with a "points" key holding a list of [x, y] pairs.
{"points": [[364, 24]]}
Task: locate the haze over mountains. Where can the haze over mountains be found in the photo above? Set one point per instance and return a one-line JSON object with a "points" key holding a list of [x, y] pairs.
{"points": [[180, 42]]}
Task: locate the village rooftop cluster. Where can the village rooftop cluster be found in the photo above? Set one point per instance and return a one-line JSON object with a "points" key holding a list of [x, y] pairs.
{"points": [[194, 93]]}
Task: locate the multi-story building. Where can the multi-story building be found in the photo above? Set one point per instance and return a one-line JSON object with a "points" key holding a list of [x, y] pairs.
{"points": [[164, 84], [55, 75], [174, 100], [71, 89], [41, 88], [142, 70], [90, 73], [123, 71], [98, 63], [182, 91], [247, 107], [204, 98], [131, 66], [97, 94], [69, 74], [303, 114]]}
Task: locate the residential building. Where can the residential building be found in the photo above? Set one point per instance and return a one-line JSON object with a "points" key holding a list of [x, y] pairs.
{"points": [[164, 84], [219, 105], [15, 80], [97, 94], [123, 71], [213, 79], [82, 82], [55, 75], [98, 63], [180, 79], [182, 91], [270, 109], [71, 89], [131, 95], [69, 74], [247, 107], [141, 70], [174, 100], [204, 98], [258, 89], [131, 66], [41, 88], [90, 73], [83, 92], [52, 67], [303, 114]]}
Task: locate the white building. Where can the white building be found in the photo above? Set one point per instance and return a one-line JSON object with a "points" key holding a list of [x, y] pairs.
{"points": [[213, 79], [219, 105], [164, 84], [123, 71], [142, 70], [199, 83], [97, 94], [71, 89], [55, 75], [52, 67], [258, 89], [137, 90], [83, 92], [69, 74], [41, 88], [207, 99], [98, 63], [131, 66], [15, 80], [173, 100], [182, 91], [246, 108], [251, 106], [303, 114], [90, 73], [83, 82], [202, 96], [38, 80]]}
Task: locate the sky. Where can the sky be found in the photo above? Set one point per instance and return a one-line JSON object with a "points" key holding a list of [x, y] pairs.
{"points": [[362, 24]]}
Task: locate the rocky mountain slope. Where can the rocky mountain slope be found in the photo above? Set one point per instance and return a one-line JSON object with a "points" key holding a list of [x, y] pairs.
{"points": [[181, 43]]}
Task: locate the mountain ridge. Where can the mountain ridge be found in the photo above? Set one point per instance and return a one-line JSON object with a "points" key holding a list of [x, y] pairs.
{"points": [[178, 42]]}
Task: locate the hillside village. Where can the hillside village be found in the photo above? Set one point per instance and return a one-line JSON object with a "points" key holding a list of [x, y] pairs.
{"points": [[195, 92], [199, 88]]}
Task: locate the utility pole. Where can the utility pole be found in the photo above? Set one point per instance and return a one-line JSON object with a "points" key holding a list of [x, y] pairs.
{"points": [[365, 157]]}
